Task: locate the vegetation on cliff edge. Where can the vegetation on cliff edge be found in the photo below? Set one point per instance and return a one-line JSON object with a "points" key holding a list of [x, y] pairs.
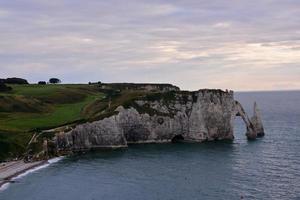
{"points": [[30, 108]]}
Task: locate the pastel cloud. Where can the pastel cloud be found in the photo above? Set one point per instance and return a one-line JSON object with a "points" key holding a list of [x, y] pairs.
{"points": [[241, 45]]}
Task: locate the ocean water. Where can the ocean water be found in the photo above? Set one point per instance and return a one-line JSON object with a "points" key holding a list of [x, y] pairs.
{"points": [[268, 168]]}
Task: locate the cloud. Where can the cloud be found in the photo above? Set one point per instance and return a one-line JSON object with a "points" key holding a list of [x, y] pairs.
{"points": [[4, 13], [194, 43], [158, 9], [222, 25]]}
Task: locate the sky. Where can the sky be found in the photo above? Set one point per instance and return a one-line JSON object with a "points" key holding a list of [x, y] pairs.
{"points": [[228, 44]]}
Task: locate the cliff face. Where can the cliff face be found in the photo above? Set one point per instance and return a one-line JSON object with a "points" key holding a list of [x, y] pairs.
{"points": [[204, 115]]}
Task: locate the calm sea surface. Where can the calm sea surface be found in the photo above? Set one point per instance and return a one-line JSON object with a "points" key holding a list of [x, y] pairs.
{"points": [[268, 168]]}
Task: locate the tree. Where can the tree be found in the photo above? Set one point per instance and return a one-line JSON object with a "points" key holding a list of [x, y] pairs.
{"points": [[42, 83], [54, 80], [14, 80], [4, 88]]}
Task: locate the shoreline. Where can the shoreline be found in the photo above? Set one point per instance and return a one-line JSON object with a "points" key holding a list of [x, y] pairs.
{"points": [[14, 169]]}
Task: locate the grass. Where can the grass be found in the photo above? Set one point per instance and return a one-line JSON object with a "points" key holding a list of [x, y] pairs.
{"points": [[60, 114], [124, 98], [13, 145], [30, 108], [35, 90]]}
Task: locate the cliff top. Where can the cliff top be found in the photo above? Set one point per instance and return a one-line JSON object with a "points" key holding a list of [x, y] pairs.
{"points": [[30, 108]]}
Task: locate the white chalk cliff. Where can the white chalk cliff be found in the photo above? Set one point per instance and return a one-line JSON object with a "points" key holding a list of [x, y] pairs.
{"points": [[204, 115]]}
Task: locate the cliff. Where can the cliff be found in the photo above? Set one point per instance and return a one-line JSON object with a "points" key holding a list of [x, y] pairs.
{"points": [[140, 86], [204, 115]]}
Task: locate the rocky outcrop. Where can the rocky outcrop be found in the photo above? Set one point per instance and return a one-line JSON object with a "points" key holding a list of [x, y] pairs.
{"points": [[257, 122], [204, 115]]}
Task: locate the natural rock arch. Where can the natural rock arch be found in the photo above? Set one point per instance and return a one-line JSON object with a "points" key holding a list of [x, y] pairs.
{"points": [[254, 125], [199, 116]]}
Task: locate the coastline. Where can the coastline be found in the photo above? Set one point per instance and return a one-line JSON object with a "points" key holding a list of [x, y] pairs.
{"points": [[15, 169]]}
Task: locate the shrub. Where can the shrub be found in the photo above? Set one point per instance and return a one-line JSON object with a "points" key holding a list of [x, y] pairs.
{"points": [[42, 83], [14, 80], [4, 88], [54, 80]]}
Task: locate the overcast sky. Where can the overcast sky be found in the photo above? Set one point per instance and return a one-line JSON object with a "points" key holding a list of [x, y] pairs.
{"points": [[234, 44]]}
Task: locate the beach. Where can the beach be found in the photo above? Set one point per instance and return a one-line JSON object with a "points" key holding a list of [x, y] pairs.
{"points": [[9, 170]]}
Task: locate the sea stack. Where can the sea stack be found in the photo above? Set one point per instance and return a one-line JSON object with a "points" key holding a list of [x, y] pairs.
{"points": [[257, 121]]}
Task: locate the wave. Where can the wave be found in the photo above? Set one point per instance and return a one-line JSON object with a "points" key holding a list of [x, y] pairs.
{"points": [[4, 186], [29, 171]]}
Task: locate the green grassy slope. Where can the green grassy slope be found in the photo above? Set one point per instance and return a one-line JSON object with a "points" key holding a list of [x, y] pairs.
{"points": [[28, 108]]}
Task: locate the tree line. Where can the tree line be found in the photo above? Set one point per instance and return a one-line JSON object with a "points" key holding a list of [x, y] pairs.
{"points": [[20, 81], [51, 81]]}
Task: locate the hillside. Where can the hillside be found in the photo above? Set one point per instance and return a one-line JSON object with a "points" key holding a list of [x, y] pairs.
{"points": [[29, 109]]}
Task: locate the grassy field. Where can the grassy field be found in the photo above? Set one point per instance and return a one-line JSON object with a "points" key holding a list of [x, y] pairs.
{"points": [[60, 104], [58, 115], [28, 108]]}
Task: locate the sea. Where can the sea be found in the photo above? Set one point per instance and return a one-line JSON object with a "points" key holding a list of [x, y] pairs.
{"points": [[267, 168]]}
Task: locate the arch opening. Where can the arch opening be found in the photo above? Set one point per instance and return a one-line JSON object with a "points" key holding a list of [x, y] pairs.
{"points": [[239, 128], [177, 138], [251, 130]]}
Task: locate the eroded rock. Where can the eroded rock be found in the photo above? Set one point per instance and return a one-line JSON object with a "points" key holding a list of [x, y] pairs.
{"points": [[204, 115]]}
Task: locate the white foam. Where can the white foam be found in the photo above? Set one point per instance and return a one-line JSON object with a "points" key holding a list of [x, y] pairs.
{"points": [[55, 160], [49, 162], [4, 186]]}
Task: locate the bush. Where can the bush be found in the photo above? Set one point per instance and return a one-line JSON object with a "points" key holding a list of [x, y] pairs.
{"points": [[42, 83], [4, 88], [14, 80], [54, 80]]}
